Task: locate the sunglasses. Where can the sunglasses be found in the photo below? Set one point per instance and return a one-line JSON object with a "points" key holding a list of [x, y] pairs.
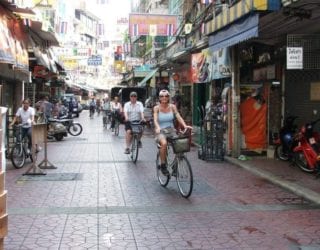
{"points": [[163, 95]]}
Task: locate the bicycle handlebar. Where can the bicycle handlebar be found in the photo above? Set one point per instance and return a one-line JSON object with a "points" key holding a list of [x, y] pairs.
{"points": [[20, 124], [138, 123]]}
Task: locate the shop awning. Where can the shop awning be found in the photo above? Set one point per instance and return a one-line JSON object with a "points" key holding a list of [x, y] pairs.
{"points": [[150, 74], [42, 58], [37, 32], [237, 32]]}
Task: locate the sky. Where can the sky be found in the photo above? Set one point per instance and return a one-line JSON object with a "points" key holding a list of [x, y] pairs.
{"points": [[110, 13]]}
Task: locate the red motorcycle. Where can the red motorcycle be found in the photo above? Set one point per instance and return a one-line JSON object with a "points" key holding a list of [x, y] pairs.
{"points": [[307, 151]]}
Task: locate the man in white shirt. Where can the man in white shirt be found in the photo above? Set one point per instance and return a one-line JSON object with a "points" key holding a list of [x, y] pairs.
{"points": [[133, 112], [25, 115]]}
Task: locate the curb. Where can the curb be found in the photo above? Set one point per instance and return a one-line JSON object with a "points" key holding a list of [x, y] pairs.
{"points": [[290, 186]]}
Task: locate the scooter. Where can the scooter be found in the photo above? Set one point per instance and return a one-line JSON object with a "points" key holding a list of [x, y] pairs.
{"points": [[73, 128], [56, 129], [285, 140], [307, 151]]}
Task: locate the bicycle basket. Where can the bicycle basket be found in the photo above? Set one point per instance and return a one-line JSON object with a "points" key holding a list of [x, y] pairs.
{"points": [[180, 145], [136, 128]]}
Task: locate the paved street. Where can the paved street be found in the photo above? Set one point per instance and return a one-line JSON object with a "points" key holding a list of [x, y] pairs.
{"points": [[98, 199]]}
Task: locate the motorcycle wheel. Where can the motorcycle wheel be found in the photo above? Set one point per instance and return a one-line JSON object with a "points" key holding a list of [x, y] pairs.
{"points": [[280, 154], [59, 137], [301, 162], [75, 129]]}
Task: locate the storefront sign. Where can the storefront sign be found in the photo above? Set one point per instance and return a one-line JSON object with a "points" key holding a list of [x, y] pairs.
{"points": [[95, 60], [163, 25], [40, 72], [221, 64], [294, 58], [201, 64]]}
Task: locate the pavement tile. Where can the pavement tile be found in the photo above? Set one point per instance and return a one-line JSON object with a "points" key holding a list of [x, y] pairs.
{"points": [[120, 205]]}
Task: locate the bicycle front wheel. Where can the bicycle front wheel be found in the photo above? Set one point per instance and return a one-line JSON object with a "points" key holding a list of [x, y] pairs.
{"points": [[163, 179], [134, 149], [184, 176], [18, 156]]}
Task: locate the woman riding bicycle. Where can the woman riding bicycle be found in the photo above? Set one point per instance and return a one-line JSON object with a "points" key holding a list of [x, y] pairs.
{"points": [[164, 115], [116, 109]]}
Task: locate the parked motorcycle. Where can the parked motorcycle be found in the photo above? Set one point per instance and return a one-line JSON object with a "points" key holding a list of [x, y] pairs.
{"points": [[307, 150], [73, 128], [56, 129], [285, 140]]}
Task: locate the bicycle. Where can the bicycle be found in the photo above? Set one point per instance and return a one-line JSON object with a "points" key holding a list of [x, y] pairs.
{"points": [[106, 119], [20, 151], [91, 111], [177, 163], [116, 117], [136, 131]]}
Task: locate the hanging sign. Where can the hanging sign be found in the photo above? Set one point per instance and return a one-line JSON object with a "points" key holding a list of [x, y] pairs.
{"points": [[294, 58]]}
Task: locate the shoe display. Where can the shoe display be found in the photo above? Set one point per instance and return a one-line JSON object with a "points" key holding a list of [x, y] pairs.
{"points": [[127, 151]]}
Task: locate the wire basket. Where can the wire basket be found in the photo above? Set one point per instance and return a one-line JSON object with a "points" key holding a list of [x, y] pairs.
{"points": [[180, 144], [137, 128]]}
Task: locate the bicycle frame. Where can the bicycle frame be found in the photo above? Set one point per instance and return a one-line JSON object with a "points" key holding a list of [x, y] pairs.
{"points": [[136, 132], [19, 151], [178, 167]]}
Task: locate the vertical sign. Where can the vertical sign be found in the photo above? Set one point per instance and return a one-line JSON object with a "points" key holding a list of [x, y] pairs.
{"points": [[294, 58]]}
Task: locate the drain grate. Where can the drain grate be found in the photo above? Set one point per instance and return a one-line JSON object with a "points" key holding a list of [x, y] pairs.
{"points": [[52, 177]]}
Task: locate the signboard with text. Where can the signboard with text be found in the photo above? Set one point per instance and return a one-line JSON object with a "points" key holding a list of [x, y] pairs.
{"points": [[152, 24], [294, 58], [95, 60]]}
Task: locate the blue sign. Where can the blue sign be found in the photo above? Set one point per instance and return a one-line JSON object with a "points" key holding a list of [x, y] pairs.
{"points": [[95, 60]]}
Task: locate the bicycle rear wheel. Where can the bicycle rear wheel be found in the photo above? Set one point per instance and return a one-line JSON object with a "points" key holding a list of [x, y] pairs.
{"points": [[184, 176], [18, 156], [163, 179], [134, 149]]}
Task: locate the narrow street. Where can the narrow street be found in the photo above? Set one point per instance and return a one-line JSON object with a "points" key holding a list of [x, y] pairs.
{"points": [[97, 198]]}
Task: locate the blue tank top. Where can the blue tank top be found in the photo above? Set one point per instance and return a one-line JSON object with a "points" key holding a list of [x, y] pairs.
{"points": [[165, 120]]}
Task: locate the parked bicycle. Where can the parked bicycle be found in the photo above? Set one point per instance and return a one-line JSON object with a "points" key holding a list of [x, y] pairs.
{"points": [[177, 163], [137, 129], [20, 151]]}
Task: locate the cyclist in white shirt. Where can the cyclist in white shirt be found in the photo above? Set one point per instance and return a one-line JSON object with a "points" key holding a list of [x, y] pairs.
{"points": [[133, 112], [25, 115]]}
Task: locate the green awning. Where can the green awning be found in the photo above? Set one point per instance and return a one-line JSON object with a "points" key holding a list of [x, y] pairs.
{"points": [[150, 74]]}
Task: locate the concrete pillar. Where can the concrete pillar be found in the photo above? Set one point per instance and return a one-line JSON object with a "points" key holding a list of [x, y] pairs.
{"points": [[235, 83]]}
